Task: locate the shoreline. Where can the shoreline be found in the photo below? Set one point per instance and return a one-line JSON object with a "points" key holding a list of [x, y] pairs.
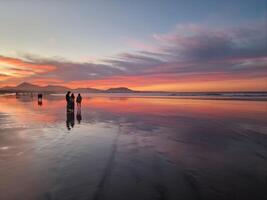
{"points": [[193, 96]]}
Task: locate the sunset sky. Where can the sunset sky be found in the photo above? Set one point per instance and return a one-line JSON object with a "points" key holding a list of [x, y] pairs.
{"points": [[168, 45]]}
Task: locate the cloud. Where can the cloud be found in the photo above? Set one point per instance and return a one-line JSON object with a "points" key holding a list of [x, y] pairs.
{"points": [[192, 49], [227, 50], [189, 53], [3, 77], [18, 68], [21, 64]]}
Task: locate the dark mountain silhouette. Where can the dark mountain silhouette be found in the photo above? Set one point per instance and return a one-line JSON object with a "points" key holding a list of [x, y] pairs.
{"points": [[86, 90], [120, 90], [28, 87], [55, 88]]}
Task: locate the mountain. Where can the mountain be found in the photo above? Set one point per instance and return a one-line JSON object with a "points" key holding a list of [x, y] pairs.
{"points": [[120, 90], [6, 88], [86, 90], [28, 87], [55, 88]]}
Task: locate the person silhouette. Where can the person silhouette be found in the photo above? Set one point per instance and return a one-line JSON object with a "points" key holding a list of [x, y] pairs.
{"points": [[40, 99], [79, 100], [40, 96], [72, 100], [68, 96], [68, 100]]}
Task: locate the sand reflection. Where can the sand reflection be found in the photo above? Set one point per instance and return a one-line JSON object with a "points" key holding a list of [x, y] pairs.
{"points": [[139, 148]]}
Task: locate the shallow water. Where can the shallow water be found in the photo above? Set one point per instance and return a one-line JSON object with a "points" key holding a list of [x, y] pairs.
{"points": [[132, 148]]}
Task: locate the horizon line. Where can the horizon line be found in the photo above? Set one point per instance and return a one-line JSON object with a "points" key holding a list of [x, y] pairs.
{"points": [[219, 91]]}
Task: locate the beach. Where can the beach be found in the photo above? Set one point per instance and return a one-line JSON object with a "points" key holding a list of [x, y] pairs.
{"points": [[133, 147]]}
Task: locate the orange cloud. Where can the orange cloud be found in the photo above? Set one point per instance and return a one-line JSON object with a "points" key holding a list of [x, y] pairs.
{"points": [[21, 63], [45, 81], [3, 77], [14, 67]]}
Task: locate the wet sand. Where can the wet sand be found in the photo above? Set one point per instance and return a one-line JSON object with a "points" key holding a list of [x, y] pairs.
{"points": [[133, 148]]}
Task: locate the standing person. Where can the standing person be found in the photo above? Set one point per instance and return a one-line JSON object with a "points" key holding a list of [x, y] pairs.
{"points": [[72, 97], [68, 96], [68, 101], [40, 99], [79, 100]]}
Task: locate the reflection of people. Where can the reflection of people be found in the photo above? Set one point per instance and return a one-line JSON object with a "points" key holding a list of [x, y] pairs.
{"points": [[70, 120], [79, 114], [40, 102], [79, 100]]}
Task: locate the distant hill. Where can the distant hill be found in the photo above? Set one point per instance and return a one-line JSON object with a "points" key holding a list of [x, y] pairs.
{"points": [[55, 88], [28, 87], [86, 90], [120, 90]]}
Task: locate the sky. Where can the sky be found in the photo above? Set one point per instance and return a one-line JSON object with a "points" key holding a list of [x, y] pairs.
{"points": [[167, 45]]}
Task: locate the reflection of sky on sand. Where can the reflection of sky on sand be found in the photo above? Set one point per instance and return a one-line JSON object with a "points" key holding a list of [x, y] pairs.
{"points": [[26, 109], [133, 148]]}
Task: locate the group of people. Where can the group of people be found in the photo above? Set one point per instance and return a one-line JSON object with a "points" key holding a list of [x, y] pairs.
{"points": [[70, 99]]}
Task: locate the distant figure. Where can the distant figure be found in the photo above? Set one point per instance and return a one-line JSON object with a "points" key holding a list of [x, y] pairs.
{"points": [[40, 96], [40, 99], [68, 100], [79, 100], [72, 100]]}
